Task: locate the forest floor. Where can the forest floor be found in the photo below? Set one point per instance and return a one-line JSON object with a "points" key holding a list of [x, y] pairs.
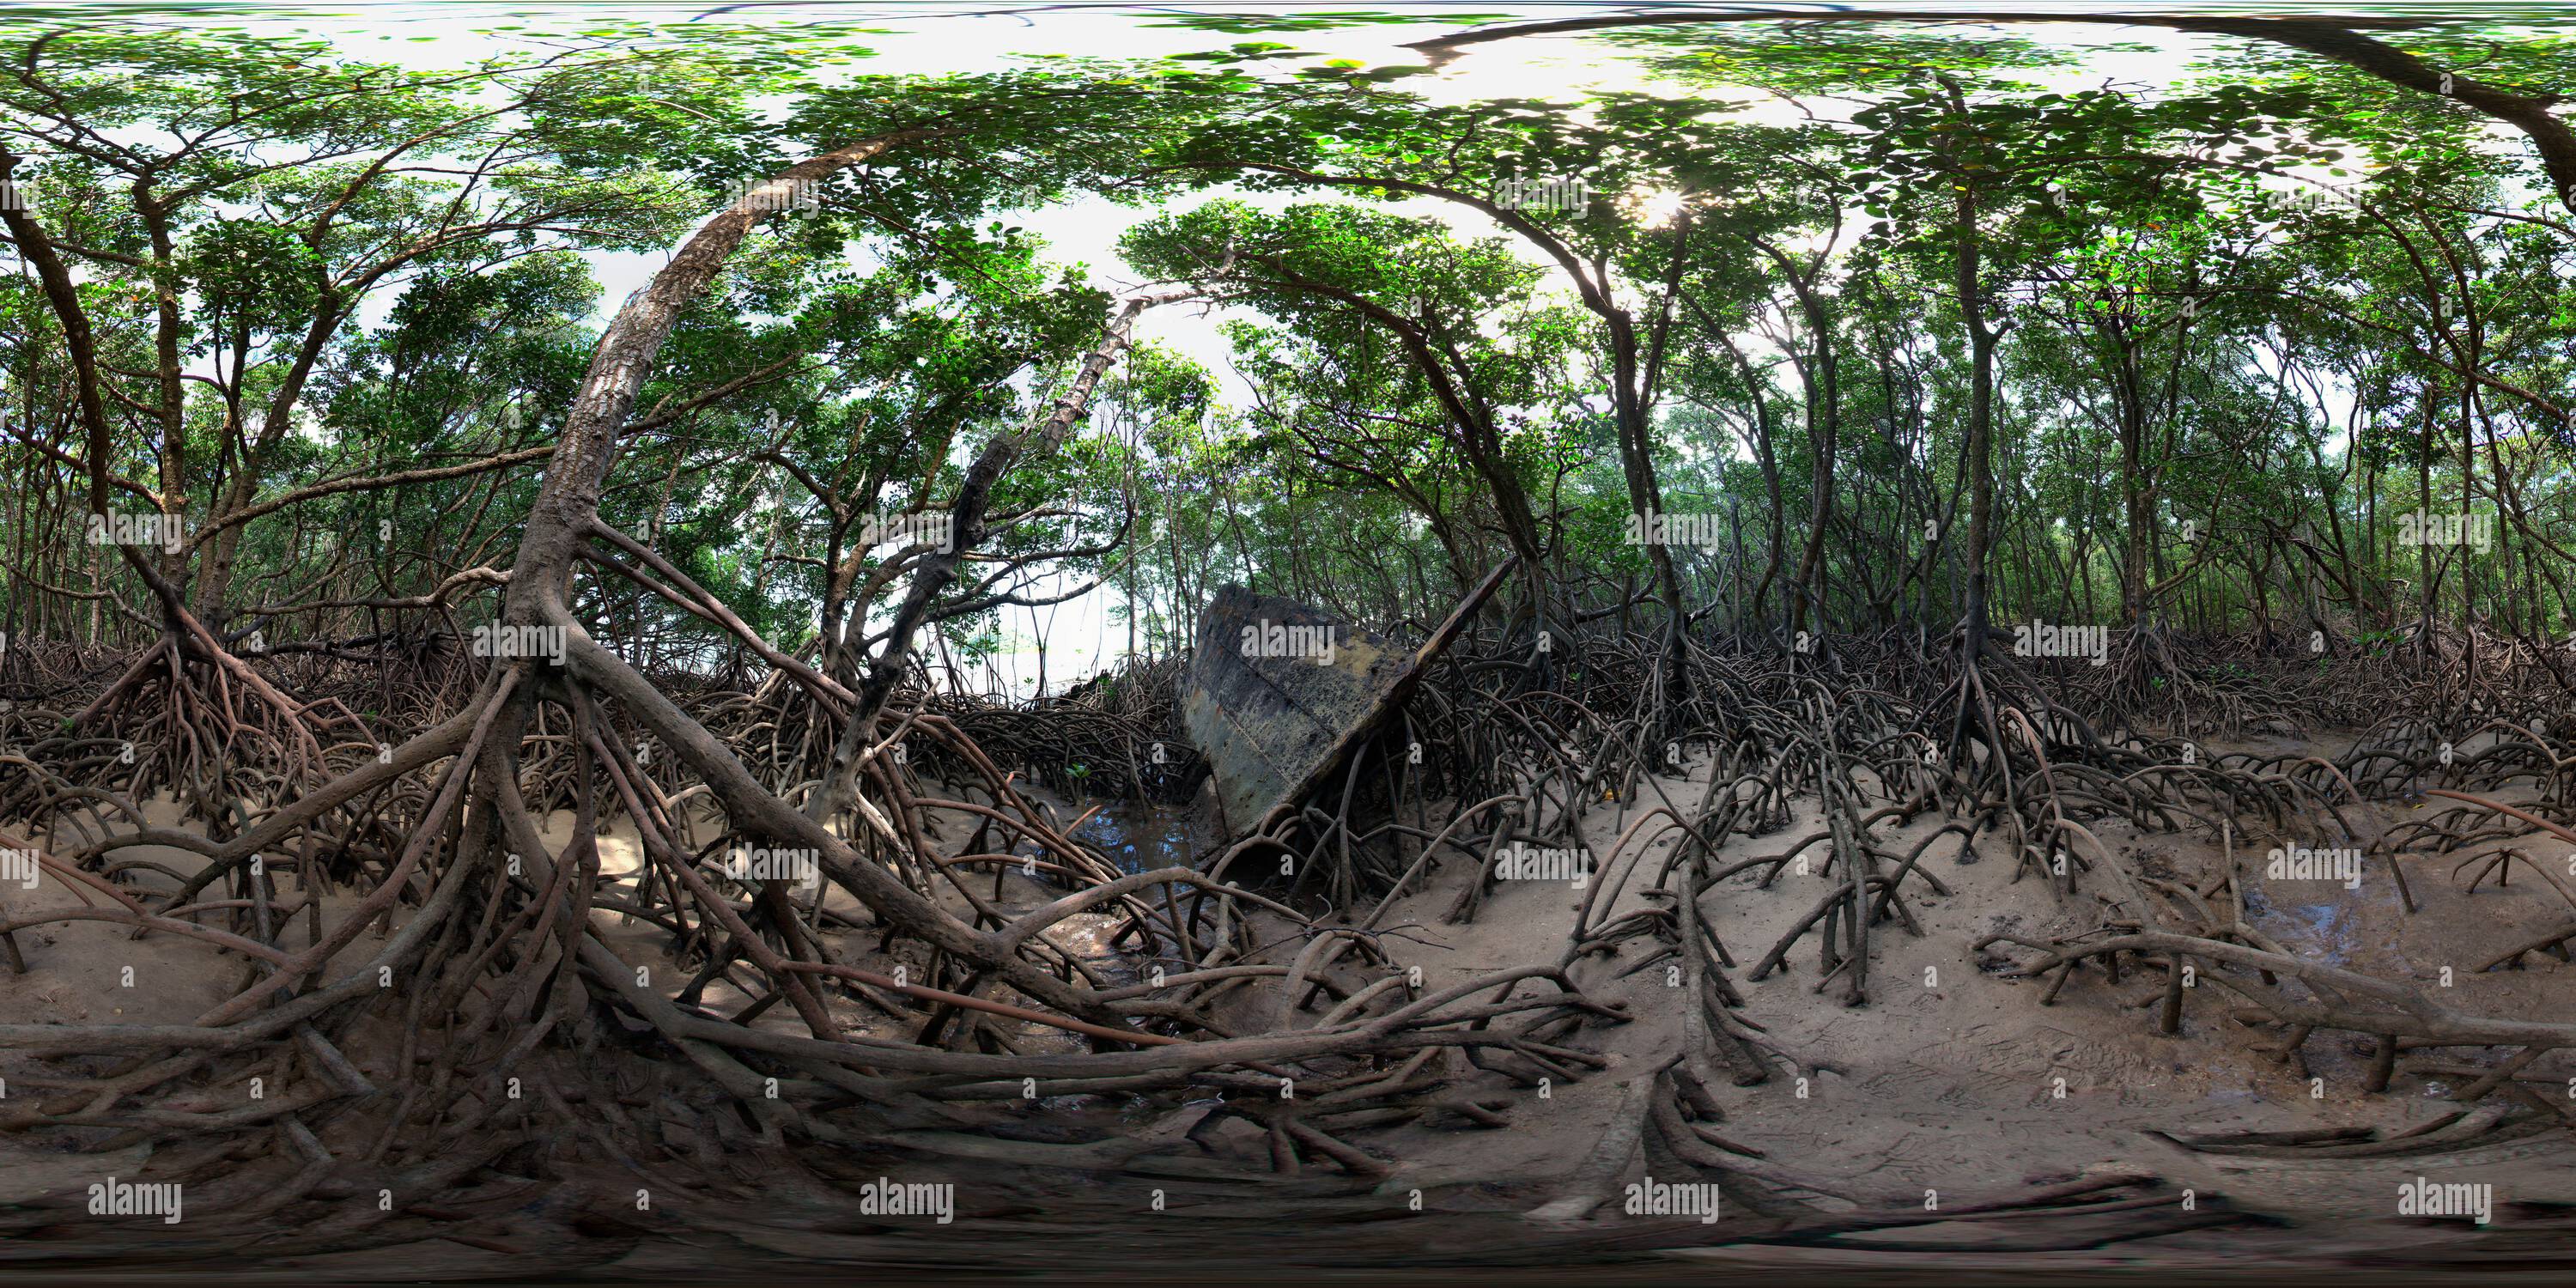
{"points": [[1947, 1079], [1951, 1080]]}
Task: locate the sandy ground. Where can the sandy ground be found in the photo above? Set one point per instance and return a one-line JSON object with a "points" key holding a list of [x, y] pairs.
{"points": [[1948, 1079]]}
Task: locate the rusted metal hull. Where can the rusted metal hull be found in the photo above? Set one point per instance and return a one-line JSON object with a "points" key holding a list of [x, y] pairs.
{"points": [[1266, 722], [1274, 720]]}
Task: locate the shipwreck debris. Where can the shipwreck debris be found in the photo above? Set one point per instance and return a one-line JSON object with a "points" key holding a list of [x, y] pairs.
{"points": [[1279, 694]]}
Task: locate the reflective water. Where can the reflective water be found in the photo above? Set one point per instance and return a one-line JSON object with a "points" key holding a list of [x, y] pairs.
{"points": [[1140, 837]]}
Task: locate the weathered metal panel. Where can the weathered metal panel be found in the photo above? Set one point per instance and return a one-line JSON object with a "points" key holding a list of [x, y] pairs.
{"points": [[1265, 722]]}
